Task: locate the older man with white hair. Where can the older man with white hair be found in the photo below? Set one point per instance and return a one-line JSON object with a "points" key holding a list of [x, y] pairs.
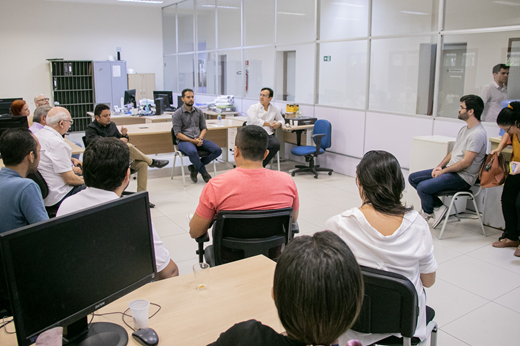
{"points": [[56, 156], [40, 118]]}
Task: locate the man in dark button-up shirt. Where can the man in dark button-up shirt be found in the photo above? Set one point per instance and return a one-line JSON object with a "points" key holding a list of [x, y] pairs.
{"points": [[102, 126], [189, 126]]}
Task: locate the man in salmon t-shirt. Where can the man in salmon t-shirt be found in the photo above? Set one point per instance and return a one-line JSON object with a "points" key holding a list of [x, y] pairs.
{"points": [[250, 186]]}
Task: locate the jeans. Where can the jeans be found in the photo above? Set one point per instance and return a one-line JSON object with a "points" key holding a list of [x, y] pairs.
{"points": [[273, 147], [511, 206], [427, 186], [191, 150]]}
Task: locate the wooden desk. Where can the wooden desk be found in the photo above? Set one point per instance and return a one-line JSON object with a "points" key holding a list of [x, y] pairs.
{"points": [[213, 115], [156, 138], [76, 149], [237, 292], [127, 119]]}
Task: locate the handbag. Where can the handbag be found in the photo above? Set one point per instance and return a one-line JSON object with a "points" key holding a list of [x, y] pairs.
{"points": [[493, 172]]}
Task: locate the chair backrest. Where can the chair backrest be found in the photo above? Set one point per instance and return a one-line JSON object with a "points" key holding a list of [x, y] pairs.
{"points": [[38, 179], [243, 234], [323, 127], [84, 139], [390, 304]]}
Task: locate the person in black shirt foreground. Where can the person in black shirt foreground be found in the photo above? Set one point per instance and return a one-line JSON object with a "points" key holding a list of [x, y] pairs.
{"points": [[318, 291], [102, 126]]}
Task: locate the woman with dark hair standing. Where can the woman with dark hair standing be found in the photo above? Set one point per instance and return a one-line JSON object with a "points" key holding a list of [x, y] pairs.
{"points": [[384, 234], [317, 290], [509, 121]]}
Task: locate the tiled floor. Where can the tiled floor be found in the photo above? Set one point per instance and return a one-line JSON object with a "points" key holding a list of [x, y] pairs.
{"points": [[477, 293]]}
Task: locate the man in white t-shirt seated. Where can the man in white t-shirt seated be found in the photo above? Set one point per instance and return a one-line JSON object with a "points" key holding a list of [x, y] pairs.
{"points": [[268, 116], [459, 169], [107, 174], [57, 166], [248, 187]]}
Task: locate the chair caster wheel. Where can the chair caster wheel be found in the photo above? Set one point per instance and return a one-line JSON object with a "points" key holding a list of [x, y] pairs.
{"points": [[330, 173], [293, 174]]}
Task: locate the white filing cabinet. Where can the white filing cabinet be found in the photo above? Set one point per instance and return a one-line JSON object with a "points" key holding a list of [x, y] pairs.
{"points": [[427, 153]]}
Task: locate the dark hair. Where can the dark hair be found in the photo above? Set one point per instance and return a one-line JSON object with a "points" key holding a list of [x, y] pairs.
{"points": [[41, 112], [252, 140], [105, 163], [16, 144], [510, 115], [185, 91], [473, 102], [271, 92], [498, 67], [318, 288], [16, 107], [100, 108], [380, 175]]}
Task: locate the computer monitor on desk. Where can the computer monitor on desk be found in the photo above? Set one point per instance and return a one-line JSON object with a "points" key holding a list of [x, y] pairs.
{"points": [[11, 122], [5, 104], [130, 97], [167, 96], [61, 270]]}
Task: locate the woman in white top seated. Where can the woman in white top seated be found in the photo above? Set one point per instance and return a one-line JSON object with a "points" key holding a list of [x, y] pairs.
{"points": [[384, 234]]}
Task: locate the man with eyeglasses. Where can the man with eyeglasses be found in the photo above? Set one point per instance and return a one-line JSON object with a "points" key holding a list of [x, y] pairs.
{"points": [[55, 163], [41, 100], [21, 202], [459, 169], [266, 115]]}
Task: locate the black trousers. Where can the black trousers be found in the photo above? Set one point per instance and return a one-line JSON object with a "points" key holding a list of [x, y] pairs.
{"points": [[511, 206], [273, 147]]}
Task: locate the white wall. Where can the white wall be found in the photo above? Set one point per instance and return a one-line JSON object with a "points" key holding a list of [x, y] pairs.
{"points": [[39, 30]]}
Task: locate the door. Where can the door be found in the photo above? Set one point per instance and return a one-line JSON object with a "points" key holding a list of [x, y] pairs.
{"points": [[289, 75], [119, 81]]}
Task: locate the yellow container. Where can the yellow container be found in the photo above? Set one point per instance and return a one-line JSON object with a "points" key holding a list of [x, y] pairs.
{"points": [[292, 108]]}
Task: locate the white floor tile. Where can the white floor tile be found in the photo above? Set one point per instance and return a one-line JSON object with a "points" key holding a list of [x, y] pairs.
{"points": [[478, 277], [510, 300], [443, 253], [451, 302], [181, 247], [490, 324], [503, 258], [166, 227]]}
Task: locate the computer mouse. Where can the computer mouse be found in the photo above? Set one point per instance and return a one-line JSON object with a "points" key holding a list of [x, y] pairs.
{"points": [[146, 336]]}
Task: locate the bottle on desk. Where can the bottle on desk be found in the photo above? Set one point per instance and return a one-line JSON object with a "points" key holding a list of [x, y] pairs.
{"points": [[219, 119]]}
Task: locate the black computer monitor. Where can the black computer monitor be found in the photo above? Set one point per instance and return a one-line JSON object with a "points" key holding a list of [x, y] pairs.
{"points": [[59, 271], [130, 97], [179, 101], [11, 122], [5, 104], [166, 95]]}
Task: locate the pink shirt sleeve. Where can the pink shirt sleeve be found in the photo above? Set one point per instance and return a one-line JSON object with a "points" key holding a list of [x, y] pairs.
{"points": [[207, 203]]}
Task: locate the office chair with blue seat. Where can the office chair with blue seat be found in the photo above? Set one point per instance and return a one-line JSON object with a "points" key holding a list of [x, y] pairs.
{"points": [[322, 138]]}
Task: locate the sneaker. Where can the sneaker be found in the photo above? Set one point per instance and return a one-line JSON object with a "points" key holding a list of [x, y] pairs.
{"points": [[159, 163], [506, 243], [151, 205], [439, 215], [193, 173], [206, 177], [425, 215]]}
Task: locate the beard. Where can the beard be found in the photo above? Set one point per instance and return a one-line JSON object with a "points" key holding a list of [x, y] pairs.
{"points": [[463, 116]]}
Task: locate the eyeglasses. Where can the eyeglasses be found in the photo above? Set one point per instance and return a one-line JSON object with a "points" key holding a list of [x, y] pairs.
{"points": [[70, 121], [45, 99], [264, 95]]}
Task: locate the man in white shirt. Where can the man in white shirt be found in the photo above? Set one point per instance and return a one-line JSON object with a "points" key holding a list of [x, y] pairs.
{"points": [[266, 115], [493, 94], [57, 166], [107, 173]]}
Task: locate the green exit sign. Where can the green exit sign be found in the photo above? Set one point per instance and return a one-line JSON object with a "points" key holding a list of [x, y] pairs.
{"points": [[326, 58]]}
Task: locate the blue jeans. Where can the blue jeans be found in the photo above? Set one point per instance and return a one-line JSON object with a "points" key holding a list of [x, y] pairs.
{"points": [[191, 150], [427, 186]]}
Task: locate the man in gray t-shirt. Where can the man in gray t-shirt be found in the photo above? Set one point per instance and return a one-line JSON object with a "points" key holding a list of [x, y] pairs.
{"points": [[189, 127], [459, 169]]}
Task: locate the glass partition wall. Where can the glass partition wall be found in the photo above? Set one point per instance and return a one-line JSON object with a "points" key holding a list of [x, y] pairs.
{"points": [[411, 57]]}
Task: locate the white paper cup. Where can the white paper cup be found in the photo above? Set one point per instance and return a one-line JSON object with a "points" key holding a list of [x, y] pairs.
{"points": [[139, 309], [296, 123]]}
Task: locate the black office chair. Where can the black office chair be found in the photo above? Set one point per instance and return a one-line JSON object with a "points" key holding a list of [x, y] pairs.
{"points": [[390, 305], [245, 233], [180, 154], [44, 188], [322, 139]]}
